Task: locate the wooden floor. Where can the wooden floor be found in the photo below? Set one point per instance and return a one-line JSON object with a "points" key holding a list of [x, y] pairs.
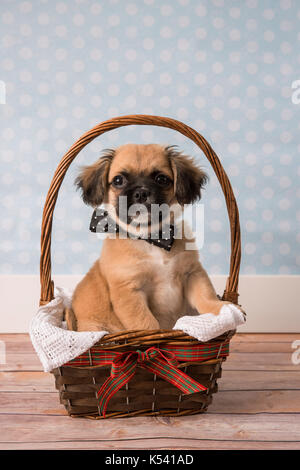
{"points": [[257, 406]]}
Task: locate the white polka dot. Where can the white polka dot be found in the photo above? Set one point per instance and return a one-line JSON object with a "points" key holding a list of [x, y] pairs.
{"points": [[113, 43], [26, 122], [269, 36], [166, 32], [200, 79], [25, 53], [284, 182], [235, 79], [215, 248], [235, 35], [200, 102], [43, 19], [235, 12], [218, 23], [25, 7], [251, 137], [217, 67], [252, 68], [131, 9], [234, 125], [183, 21], [268, 14], [216, 203], [285, 159], [268, 170], [148, 43], [251, 114], [182, 90], [267, 215], [269, 80], [250, 226], [165, 78], [200, 10], [165, 102], [96, 32], [216, 225], [285, 137], [268, 193], [284, 248], [233, 170], [287, 114], [147, 89], [183, 67], [217, 45], [250, 248], [8, 64], [250, 269], [25, 100], [217, 114], [250, 159], [250, 204], [234, 148], [285, 4], [217, 90], [267, 259], [148, 66], [200, 56], [130, 101], [183, 44], [269, 126], [251, 24], [284, 226], [267, 237], [268, 148], [285, 48]]}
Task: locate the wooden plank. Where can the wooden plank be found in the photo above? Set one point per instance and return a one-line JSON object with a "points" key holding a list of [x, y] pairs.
{"points": [[26, 381], [262, 348], [21, 362], [267, 401], [152, 444], [257, 361], [257, 427], [259, 380], [230, 380], [266, 337]]}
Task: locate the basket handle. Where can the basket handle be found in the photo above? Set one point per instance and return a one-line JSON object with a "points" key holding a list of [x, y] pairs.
{"points": [[47, 286]]}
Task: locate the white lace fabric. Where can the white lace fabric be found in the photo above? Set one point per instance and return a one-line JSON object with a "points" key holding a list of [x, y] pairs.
{"points": [[55, 345]]}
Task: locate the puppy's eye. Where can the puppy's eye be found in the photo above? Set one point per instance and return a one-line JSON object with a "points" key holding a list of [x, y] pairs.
{"points": [[162, 180], [119, 181]]}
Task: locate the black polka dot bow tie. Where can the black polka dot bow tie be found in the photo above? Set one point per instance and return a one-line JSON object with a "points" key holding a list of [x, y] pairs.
{"points": [[101, 222]]}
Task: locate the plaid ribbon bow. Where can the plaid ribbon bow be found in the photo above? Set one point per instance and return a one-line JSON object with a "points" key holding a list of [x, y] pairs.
{"points": [[160, 361]]}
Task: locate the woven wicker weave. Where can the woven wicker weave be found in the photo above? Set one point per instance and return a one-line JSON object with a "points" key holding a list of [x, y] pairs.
{"points": [[146, 394]]}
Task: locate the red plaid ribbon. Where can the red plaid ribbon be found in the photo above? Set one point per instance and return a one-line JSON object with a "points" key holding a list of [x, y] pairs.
{"points": [[160, 361]]}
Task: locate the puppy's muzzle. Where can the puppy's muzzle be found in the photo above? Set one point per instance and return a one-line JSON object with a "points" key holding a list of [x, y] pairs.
{"points": [[141, 195]]}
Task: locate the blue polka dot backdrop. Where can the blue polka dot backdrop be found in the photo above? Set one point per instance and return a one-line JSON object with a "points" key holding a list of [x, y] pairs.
{"points": [[225, 68]]}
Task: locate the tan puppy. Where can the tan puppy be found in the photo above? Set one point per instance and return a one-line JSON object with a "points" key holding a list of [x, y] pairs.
{"points": [[135, 284]]}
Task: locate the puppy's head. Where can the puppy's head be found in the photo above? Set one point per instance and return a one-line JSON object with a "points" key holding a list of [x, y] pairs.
{"points": [[144, 174]]}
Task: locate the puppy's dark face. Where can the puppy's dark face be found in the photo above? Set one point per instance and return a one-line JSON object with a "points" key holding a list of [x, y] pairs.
{"points": [[141, 175]]}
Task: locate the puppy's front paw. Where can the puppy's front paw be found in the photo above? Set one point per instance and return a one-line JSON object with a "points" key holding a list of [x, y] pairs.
{"points": [[151, 324], [235, 310]]}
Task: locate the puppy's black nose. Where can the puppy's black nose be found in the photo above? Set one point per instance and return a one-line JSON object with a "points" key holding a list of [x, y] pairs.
{"points": [[140, 195]]}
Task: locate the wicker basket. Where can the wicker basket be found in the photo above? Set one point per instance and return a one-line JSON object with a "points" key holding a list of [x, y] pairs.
{"points": [[145, 392]]}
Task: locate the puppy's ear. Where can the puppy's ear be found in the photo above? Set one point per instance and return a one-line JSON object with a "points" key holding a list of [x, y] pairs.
{"points": [[188, 178], [92, 180]]}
